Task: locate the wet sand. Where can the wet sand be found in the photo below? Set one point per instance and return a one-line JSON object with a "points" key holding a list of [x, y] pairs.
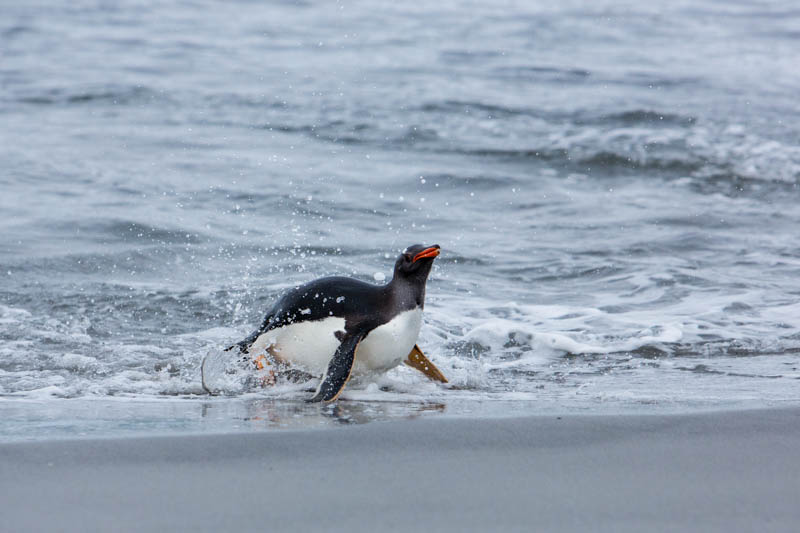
{"points": [[727, 471]]}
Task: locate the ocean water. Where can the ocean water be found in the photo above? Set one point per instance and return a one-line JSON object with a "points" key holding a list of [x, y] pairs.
{"points": [[614, 186]]}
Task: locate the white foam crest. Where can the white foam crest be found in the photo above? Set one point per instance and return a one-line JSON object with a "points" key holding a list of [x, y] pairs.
{"points": [[749, 154], [12, 315], [713, 148], [534, 328]]}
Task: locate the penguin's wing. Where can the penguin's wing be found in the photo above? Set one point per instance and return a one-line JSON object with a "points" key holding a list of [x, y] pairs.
{"points": [[339, 369], [416, 359]]}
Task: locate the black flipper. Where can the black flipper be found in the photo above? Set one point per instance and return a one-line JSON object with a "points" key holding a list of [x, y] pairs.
{"points": [[339, 369]]}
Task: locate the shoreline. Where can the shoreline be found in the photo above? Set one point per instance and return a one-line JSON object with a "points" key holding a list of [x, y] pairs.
{"points": [[712, 471], [35, 420]]}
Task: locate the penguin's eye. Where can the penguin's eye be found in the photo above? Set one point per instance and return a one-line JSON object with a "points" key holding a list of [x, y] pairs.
{"points": [[407, 257]]}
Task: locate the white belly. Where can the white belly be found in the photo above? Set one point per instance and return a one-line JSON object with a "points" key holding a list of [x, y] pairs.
{"points": [[388, 345], [307, 344], [311, 345]]}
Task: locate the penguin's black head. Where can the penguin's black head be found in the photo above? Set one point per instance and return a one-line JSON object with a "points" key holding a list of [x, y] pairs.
{"points": [[415, 262]]}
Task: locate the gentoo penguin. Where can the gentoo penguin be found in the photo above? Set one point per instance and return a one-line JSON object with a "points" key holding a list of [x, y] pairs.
{"points": [[335, 326]]}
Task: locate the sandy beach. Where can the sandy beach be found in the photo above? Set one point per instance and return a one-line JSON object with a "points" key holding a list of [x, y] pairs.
{"points": [[726, 471]]}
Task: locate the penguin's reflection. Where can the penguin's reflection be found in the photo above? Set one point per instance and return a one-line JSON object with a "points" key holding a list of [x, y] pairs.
{"points": [[271, 413]]}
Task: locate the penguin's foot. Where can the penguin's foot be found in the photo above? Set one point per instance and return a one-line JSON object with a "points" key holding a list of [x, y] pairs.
{"points": [[261, 363], [416, 359]]}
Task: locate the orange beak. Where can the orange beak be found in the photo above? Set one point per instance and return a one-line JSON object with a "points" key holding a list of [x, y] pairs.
{"points": [[433, 251]]}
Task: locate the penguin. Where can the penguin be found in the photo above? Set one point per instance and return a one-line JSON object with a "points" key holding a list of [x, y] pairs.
{"points": [[336, 326]]}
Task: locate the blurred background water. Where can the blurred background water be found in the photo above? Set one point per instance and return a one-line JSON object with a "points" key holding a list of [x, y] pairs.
{"points": [[614, 186]]}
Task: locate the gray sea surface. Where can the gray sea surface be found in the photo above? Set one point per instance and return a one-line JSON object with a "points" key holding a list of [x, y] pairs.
{"points": [[614, 186]]}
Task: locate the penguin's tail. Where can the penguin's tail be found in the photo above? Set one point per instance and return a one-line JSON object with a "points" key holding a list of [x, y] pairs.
{"points": [[245, 344]]}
